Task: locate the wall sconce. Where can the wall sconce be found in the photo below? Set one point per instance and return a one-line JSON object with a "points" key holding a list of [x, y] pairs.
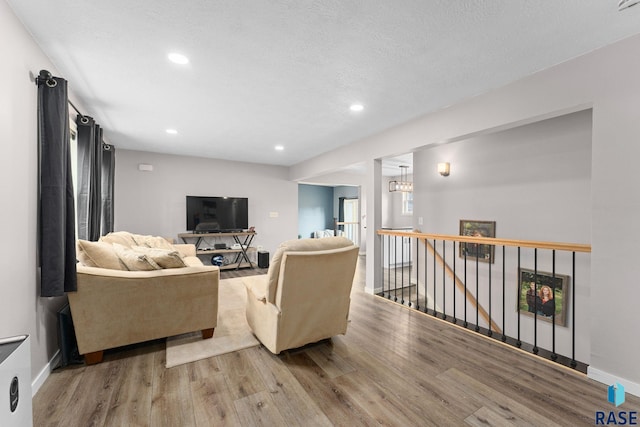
{"points": [[443, 168]]}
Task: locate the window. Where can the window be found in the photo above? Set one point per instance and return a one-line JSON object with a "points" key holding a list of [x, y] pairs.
{"points": [[407, 203]]}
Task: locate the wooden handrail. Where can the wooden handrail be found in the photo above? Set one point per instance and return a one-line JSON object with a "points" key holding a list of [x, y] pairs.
{"points": [[571, 247]]}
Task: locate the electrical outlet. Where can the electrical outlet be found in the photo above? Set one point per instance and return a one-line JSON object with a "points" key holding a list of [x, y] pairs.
{"points": [[420, 221]]}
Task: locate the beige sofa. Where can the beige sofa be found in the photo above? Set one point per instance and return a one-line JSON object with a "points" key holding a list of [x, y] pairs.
{"points": [[305, 296], [114, 306]]}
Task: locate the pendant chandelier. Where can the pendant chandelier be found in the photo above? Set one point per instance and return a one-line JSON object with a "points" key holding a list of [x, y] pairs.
{"points": [[403, 185]]}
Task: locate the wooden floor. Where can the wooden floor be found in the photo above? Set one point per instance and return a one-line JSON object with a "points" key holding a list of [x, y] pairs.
{"points": [[242, 272], [394, 367]]}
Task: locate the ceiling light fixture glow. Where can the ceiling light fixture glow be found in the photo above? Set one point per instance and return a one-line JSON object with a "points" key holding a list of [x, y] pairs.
{"points": [[402, 185], [356, 107], [178, 58], [172, 131], [279, 147]]}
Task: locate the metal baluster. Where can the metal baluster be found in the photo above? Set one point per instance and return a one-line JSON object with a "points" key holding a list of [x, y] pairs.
{"points": [[554, 356], [535, 314], [435, 308], [388, 294], [453, 283], [444, 276], [573, 316], [477, 328], [465, 285], [402, 269], [417, 274], [491, 249], [426, 263], [504, 262], [395, 268], [410, 265], [518, 342], [381, 241]]}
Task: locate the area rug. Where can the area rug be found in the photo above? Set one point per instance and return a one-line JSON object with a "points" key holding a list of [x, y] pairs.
{"points": [[231, 334]]}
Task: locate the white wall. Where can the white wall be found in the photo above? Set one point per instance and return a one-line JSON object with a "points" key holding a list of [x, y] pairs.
{"points": [[154, 202], [602, 80], [22, 311], [392, 216], [534, 181]]}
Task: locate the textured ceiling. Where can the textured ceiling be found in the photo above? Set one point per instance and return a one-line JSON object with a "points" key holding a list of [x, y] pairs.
{"points": [[264, 73]]}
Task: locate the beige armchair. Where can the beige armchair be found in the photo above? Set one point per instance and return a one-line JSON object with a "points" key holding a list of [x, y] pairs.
{"points": [[305, 296]]}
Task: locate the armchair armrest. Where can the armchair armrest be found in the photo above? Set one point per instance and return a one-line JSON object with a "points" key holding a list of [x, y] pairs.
{"points": [[256, 287]]}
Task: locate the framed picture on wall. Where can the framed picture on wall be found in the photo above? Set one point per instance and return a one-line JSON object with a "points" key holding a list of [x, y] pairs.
{"points": [[473, 251], [542, 294]]}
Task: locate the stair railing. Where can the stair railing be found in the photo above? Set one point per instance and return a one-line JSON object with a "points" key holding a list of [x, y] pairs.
{"points": [[499, 292]]}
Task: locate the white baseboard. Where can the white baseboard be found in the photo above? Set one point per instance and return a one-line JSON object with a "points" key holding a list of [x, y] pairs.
{"points": [[608, 379], [44, 373], [372, 291], [378, 290]]}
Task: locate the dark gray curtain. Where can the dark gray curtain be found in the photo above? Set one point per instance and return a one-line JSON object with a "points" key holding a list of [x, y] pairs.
{"points": [[96, 166], [88, 182], [57, 251], [96, 183], [108, 174]]}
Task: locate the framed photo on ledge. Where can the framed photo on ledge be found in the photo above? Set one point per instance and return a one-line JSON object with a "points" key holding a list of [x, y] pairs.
{"points": [[542, 294], [473, 251]]}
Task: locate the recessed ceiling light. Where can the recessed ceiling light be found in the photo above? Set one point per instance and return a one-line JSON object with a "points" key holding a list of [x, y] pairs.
{"points": [[356, 107], [172, 131], [279, 147], [178, 58]]}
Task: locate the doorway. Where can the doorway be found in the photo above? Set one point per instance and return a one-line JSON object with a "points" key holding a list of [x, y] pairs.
{"points": [[349, 219]]}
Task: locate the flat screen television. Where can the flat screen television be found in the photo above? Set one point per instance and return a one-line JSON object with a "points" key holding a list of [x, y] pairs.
{"points": [[217, 214]]}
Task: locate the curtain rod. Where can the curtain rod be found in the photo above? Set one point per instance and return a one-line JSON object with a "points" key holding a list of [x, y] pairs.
{"points": [[45, 76], [77, 111]]}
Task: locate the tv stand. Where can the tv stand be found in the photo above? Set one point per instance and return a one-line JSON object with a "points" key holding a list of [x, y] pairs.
{"points": [[242, 238]]}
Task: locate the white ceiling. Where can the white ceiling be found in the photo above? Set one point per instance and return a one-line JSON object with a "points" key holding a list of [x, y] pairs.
{"points": [[264, 73]]}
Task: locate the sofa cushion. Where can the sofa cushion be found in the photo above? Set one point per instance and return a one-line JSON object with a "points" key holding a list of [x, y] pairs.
{"points": [[299, 245], [128, 240], [135, 261], [123, 238], [152, 242], [165, 258], [98, 254]]}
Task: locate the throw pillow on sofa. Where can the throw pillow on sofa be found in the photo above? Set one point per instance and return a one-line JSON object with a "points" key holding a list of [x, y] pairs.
{"points": [[165, 258], [135, 261], [98, 254]]}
